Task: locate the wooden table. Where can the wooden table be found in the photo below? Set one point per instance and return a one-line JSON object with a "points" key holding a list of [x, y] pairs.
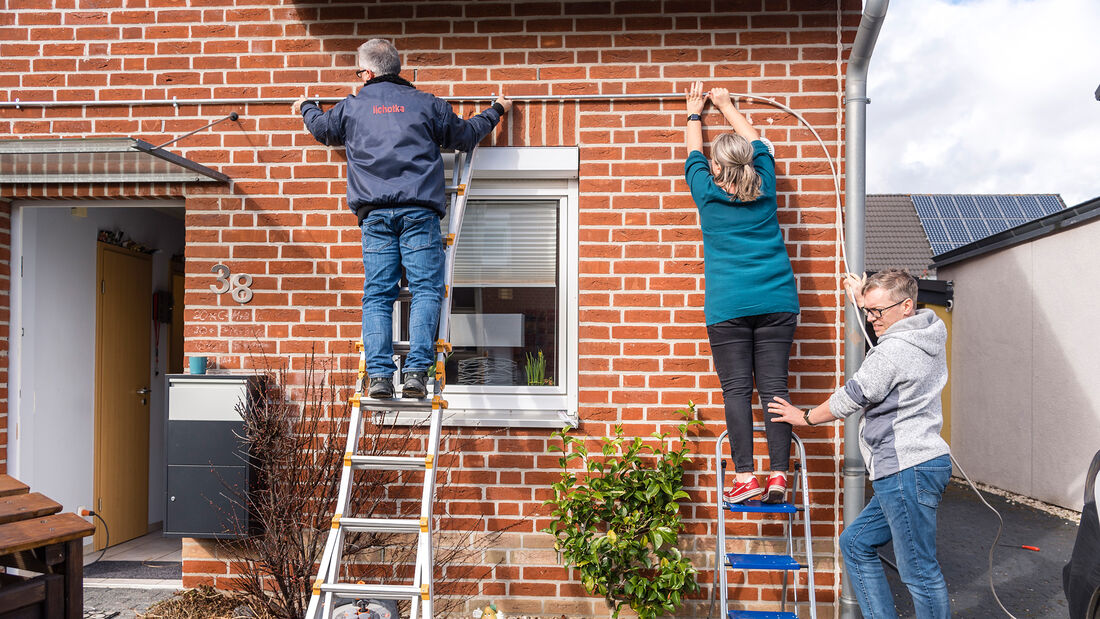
{"points": [[35, 537]]}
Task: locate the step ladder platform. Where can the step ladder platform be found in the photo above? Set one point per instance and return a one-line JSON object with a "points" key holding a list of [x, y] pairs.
{"points": [[761, 562], [759, 507], [380, 592], [760, 614]]}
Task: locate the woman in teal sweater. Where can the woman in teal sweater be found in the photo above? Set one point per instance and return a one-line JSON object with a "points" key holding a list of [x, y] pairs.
{"points": [[751, 303]]}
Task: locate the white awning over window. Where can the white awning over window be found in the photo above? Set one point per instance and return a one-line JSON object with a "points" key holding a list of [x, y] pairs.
{"points": [[96, 160]]}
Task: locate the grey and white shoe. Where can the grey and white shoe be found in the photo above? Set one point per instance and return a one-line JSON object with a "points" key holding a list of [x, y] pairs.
{"points": [[381, 388], [416, 385]]}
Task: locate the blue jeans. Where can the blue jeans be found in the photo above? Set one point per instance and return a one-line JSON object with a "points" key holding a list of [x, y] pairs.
{"points": [[406, 236], [903, 509]]}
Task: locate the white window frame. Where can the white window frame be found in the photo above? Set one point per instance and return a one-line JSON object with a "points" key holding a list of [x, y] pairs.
{"points": [[517, 173]]}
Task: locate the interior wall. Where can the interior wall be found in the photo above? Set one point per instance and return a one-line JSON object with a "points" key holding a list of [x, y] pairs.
{"points": [[57, 352], [1024, 389]]}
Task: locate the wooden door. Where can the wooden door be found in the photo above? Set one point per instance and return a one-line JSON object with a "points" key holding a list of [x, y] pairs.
{"points": [[122, 375]]}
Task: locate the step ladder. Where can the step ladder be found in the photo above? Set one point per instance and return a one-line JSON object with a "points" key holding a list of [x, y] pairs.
{"points": [[419, 592], [786, 563]]}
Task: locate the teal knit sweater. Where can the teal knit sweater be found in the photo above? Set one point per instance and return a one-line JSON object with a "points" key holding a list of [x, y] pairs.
{"points": [[745, 261]]}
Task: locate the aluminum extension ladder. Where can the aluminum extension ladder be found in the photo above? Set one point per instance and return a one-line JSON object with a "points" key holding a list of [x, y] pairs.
{"points": [[786, 563], [420, 592]]}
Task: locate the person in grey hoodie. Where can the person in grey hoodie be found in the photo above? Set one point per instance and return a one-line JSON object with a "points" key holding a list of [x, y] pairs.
{"points": [[897, 388]]}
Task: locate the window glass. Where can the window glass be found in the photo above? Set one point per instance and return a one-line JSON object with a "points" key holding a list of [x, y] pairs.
{"points": [[504, 312]]}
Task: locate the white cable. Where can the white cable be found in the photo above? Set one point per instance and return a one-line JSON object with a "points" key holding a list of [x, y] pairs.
{"points": [[997, 538]]}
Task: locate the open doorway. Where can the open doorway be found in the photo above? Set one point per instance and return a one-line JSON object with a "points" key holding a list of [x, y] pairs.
{"points": [[90, 353]]}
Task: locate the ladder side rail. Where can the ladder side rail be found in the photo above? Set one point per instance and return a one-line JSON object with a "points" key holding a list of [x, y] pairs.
{"points": [[463, 173], [812, 597], [346, 476], [720, 547], [425, 552]]}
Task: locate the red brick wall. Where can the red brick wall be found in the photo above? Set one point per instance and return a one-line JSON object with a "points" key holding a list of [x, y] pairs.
{"points": [[642, 351]]}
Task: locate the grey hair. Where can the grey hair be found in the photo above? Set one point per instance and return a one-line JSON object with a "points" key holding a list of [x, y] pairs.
{"points": [[379, 56], [736, 176], [898, 283]]}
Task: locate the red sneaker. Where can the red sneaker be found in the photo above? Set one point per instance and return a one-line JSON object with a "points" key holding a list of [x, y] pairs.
{"points": [[743, 491], [777, 489]]}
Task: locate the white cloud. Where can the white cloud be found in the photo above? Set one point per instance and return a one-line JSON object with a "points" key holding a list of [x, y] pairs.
{"points": [[986, 96]]}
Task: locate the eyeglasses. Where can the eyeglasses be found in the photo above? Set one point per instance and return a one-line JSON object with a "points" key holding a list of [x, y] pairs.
{"points": [[875, 313], [360, 72]]}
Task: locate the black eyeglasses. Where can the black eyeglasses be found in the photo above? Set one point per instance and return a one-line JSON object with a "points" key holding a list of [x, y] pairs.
{"points": [[875, 313], [360, 72]]}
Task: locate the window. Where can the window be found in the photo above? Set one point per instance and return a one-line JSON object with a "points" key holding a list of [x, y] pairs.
{"points": [[514, 301]]}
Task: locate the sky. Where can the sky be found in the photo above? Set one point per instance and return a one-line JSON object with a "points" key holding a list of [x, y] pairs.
{"points": [[986, 96]]}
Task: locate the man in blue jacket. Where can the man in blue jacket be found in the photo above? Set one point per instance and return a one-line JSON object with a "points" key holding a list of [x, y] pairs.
{"points": [[392, 134]]}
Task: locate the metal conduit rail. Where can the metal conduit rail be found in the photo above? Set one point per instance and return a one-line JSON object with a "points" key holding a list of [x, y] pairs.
{"points": [[286, 100]]}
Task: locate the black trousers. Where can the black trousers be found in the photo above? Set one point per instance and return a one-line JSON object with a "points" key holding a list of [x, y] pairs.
{"points": [[743, 349]]}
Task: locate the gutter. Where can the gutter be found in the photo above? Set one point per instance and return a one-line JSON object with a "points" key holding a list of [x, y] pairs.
{"points": [[855, 200]]}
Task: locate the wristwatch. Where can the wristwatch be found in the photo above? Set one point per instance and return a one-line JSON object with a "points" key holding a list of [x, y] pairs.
{"points": [[692, 117], [806, 417]]}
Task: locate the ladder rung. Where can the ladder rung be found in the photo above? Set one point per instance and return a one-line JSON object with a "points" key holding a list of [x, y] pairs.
{"points": [[380, 525], [762, 508], [761, 562], [404, 295], [381, 592], [381, 463], [401, 347], [402, 404], [760, 614], [459, 189]]}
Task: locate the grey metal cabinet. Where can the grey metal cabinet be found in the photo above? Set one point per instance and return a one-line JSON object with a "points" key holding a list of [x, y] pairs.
{"points": [[208, 462]]}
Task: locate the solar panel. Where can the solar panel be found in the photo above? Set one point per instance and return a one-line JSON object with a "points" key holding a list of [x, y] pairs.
{"points": [[935, 231], [1031, 206], [967, 208], [951, 221], [1049, 204], [988, 207], [941, 248], [956, 231], [946, 206], [996, 225], [976, 228]]}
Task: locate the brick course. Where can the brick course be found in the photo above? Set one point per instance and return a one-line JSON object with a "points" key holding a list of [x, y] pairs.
{"points": [[643, 350]]}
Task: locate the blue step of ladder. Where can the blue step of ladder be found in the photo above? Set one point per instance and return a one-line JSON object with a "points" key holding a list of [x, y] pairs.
{"points": [[759, 507], [761, 562], [760, 614]]}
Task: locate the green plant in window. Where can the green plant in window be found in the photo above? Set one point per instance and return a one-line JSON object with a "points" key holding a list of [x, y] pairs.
{"points": [[617, 521], [535, 368]]}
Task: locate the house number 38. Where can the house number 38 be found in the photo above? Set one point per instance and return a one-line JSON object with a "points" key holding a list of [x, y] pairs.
{"points": [[237, 284]]}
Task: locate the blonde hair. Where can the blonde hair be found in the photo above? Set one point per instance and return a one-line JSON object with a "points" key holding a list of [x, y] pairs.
{"points": [[736, 176]]}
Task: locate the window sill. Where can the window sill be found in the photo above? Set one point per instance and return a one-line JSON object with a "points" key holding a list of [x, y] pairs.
{"points": [[488, 418]]}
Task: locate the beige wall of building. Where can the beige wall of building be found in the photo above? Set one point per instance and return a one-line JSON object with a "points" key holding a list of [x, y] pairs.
{"points": [[1025, 368]]}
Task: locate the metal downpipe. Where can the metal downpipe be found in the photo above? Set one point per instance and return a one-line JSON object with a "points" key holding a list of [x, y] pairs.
{"points": [[855, 199]]}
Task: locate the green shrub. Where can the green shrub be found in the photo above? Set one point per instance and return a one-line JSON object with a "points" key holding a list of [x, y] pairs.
{"points": [[618, 521]]}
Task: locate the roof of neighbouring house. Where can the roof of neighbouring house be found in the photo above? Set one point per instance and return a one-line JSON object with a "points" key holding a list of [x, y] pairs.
{"points": [[913, 231], [1037, 228], [894, 237]]}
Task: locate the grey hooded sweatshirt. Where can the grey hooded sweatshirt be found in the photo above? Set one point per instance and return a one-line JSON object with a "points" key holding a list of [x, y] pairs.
{"points": [[898, 389]]}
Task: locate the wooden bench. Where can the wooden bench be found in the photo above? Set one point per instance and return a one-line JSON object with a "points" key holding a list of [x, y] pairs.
{"points": [[35, 537]]}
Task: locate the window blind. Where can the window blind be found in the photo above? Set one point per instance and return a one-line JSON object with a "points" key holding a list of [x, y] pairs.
{"points": [[508, 243]]}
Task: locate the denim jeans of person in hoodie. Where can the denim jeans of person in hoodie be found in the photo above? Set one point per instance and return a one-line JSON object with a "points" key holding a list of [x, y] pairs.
{"points": [[394, 237], [903, 510]]}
